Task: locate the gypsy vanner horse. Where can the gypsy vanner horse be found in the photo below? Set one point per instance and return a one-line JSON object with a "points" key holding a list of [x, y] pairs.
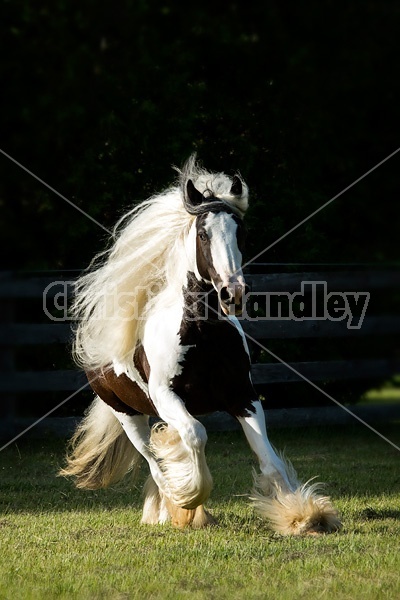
{"points": [[158, 335]]}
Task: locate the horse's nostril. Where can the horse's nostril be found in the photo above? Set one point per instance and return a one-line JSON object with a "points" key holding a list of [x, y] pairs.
{"points": [[224, 294]]}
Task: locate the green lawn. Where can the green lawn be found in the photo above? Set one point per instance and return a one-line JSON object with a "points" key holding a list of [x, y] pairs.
{"points": [[58, 542]]}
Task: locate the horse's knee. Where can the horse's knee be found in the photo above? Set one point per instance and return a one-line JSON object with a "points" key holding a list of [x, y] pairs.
{"points": [[194, 436]]}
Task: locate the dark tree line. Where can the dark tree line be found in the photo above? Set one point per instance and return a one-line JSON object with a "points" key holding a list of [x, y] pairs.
{"points": [[99, 99]]}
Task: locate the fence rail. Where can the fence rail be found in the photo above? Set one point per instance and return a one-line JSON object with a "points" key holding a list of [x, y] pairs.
{"points": [[28, 334]]}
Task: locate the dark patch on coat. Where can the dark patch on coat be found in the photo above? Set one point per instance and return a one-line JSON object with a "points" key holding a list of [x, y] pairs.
{"points": [[216, 370], [120, 392]]}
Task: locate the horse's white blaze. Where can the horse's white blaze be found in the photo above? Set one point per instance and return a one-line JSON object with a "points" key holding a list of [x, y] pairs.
{"points": [[221, 229]]}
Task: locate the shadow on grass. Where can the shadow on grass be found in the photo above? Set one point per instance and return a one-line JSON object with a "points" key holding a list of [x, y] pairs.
{"points": [[371, 514], [352, 460]]}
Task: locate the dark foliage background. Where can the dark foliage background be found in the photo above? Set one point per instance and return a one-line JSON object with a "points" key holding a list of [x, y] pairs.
{"points": [[100, 99]]}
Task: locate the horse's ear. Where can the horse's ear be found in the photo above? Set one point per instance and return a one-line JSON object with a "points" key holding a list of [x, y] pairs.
{"points": [[237, 187], [193, 195]]}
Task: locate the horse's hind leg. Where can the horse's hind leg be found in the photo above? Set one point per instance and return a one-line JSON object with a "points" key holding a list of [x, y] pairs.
{"points": [[155, 509], [138, 431], [291, 508]]}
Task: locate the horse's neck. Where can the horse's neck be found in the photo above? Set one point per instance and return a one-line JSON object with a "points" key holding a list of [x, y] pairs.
{"points": [[200, 300]]}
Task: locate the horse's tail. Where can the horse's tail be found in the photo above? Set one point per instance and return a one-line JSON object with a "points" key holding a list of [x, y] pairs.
{"points": [[100, 452]]}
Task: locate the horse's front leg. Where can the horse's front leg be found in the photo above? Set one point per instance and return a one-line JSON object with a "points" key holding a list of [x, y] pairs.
{"points": [[291, 508], [172, 410], [179, 446]]}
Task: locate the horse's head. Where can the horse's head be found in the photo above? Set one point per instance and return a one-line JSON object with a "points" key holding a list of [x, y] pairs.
{"points": [[219, 233]]}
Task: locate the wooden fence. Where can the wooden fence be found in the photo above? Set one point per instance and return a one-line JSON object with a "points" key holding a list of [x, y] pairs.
{"points": [[32, 335]]}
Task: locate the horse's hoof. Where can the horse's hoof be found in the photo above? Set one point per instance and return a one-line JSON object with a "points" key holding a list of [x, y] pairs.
{"points": [[196, 518]]}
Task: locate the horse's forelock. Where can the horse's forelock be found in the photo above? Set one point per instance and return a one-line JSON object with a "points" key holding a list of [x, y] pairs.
{"points": [[214, 205], [217, 190]]}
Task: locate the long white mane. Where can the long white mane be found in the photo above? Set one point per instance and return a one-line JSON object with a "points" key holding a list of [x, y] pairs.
{"points": [[112, 298]]}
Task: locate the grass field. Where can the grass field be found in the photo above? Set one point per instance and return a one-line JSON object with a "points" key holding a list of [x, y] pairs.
{"points": [[58, 542]]}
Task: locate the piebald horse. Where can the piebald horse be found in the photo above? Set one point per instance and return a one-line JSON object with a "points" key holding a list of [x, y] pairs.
{"points": [[158, 335]]}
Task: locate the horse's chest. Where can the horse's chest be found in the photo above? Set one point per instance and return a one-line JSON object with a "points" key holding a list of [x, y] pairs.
{"points": [[215, 369]]}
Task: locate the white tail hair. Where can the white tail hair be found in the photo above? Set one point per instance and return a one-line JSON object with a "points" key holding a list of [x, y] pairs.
{"points": [[111, 299], [100, 451]]}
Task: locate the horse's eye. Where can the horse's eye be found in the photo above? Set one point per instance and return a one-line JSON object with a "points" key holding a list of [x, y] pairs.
{"points": [[203, 236]]}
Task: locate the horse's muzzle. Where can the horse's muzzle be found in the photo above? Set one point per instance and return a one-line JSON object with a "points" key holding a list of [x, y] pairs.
{"points": [[232, 298]]}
